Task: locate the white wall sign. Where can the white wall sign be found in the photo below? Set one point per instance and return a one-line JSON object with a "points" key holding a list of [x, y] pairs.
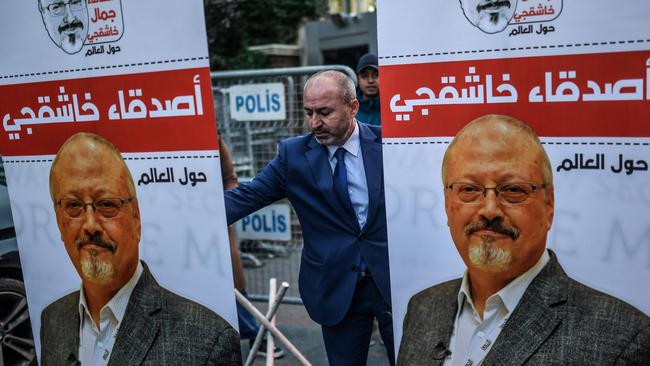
{"points": [[270, 223], [258, 102]]}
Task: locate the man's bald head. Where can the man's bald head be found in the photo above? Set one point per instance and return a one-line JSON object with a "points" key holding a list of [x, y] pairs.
{"points": [[494, 128], [86, 148], [344, 82]]}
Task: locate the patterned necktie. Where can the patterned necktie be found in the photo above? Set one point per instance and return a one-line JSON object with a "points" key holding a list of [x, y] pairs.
{"points": [[341, 182]]}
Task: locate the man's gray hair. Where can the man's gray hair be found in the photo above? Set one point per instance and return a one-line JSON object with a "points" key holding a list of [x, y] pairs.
{"points": [[344, 82], [111, 149], [547, 171]]}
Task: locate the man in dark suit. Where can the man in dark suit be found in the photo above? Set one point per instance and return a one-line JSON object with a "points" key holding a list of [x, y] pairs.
{"points": [[121, 315], [333, 177], [515, 305]]}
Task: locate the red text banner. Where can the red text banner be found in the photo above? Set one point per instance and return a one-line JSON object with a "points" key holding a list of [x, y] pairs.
{"points": [[588, 95], [154, 111]]}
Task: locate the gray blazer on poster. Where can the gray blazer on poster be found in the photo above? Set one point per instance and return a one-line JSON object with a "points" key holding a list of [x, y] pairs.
{"points": [[557, 322], [159, 328]]}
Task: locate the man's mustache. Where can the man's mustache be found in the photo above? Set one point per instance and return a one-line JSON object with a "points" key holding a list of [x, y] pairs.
{"points": [[96, 240], [71, 26], [495, 225], [493, 4]]}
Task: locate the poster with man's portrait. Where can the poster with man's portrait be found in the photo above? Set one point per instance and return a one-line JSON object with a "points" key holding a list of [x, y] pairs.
{"points": [[110, 149], [577, 72]]}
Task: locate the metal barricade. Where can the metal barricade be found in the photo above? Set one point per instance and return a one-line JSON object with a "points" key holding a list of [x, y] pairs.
{"points": [[3, 178], [252, 145]]}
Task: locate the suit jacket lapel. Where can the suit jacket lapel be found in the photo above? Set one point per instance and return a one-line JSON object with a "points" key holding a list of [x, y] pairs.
{"points": [[443, 325], [428, 325], [539, 312], [318, 161], [141, 324], [69, 335], [371, 150]]}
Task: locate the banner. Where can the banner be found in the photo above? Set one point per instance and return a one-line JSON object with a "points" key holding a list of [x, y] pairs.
{"points": [[136, 73], [578, 72]]}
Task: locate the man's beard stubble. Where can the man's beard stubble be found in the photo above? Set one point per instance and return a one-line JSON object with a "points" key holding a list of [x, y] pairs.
{"points": [[488, 257], [485, 255], [72, 42], [96, 269], [93, 267], [493, 16]]}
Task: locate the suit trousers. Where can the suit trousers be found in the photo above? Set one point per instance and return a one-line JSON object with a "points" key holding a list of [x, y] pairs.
{"points": [[347, 342], [248, 326]]}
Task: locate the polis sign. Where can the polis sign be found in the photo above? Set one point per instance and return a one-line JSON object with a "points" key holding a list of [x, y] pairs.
{"points": [[269, 223], [258, 102]]}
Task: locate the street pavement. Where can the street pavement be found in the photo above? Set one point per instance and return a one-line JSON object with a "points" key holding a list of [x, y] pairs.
{"points": [[305, 334], [293, 320]]}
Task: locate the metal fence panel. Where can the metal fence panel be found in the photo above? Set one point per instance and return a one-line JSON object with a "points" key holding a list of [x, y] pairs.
{"points": [[252, 145]]}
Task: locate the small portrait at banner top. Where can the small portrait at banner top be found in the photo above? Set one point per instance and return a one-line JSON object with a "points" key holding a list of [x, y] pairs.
{"points": [[515, 304], [120, 315], [66, 22], [490, 16]]}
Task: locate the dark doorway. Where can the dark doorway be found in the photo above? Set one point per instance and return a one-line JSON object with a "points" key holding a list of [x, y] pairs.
{"points": [[344, 56]]}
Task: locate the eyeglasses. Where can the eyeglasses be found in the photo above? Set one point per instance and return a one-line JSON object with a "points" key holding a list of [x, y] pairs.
{"points": [[58, 8], [506, 192], [106, 207]]}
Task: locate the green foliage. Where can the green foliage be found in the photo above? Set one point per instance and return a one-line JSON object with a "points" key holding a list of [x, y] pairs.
{"points": [[234, 25], [276, 21], [244, 60]]}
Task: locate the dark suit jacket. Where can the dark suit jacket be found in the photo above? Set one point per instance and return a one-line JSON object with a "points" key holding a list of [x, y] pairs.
{"points": [[158, 328], [333, 242], [557, 322]]}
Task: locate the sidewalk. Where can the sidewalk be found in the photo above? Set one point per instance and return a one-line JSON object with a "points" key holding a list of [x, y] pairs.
{"points": [[305, 334]]}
